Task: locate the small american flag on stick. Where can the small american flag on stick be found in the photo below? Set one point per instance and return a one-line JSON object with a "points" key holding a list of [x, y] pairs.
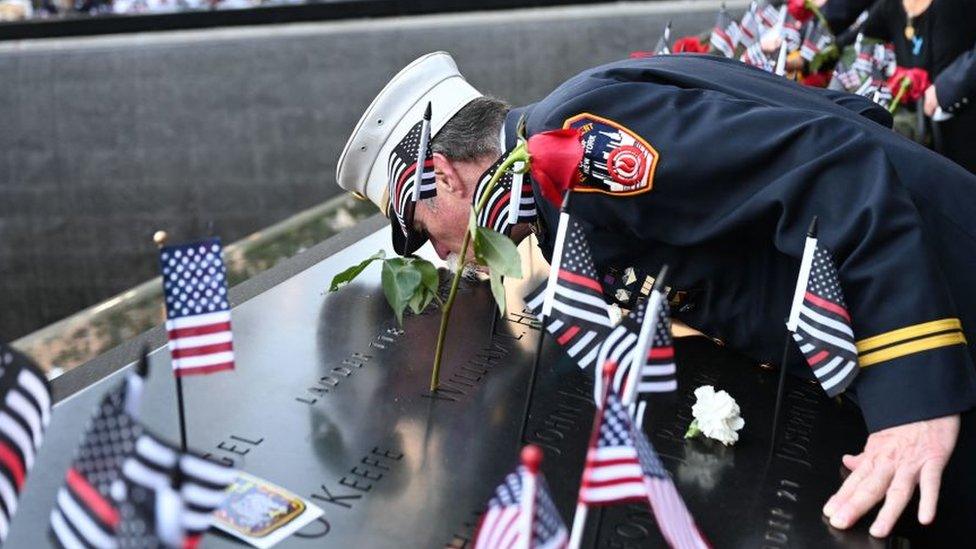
{"points": [[522, 504], [819, 320], [622, 466], [726, 34], [197, 310]]}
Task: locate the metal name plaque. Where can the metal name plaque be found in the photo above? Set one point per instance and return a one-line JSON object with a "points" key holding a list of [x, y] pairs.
{"points": [[330, 400]]}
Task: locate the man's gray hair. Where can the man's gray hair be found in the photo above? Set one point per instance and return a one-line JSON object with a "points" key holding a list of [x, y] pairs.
{"points": [[472, 133]]}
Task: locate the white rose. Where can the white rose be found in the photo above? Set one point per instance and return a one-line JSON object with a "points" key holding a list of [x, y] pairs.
{"points": [[716, 416]]}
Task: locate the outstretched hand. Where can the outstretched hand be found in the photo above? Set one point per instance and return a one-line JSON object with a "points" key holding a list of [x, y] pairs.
{"points": [[893, 462]]}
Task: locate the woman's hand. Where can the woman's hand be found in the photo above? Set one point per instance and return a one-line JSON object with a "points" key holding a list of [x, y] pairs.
{"points": [[931, 101]]}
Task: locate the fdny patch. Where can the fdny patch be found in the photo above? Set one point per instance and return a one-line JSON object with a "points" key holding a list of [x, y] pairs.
{"points": [[616, 161]]}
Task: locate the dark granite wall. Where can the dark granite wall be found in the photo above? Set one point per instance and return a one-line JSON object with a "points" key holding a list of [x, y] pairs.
{"points": [[103, 140]]}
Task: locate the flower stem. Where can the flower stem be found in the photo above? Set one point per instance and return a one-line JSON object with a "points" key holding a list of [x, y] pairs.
{"points": [[519, 154], [693, 430], [820, 16], [902, 90]]}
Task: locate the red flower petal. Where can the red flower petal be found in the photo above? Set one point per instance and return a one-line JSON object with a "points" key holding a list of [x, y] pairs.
{"points": [[817, 79], [798, 9], [919, 83], [689, 44], [554, 159]]}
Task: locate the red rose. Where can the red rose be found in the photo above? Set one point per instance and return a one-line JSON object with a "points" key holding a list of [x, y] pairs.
{"points": [[799, 10], [817, 79], [641, 54], [919, 82], [689, 44], [554, 159]]}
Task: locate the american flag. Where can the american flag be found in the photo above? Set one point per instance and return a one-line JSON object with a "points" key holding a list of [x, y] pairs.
{"points": [[25, 412], [86, 514], [496, 213], [401, 169], [749, 26], [726, 33], [872, 85], [621, 467], [499, 527], [170, 496], [197, 310], [848, 78], [820, 322], [658, 373], [791, 35], [579, 317], [767, 16], [756, 57], [817, 39], [670, 512]]}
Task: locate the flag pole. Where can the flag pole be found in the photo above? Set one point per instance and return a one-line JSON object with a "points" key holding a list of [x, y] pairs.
{"points": [[582, 509], [557, 252], [160, 238], [531, 458], [645, 338], [806, 261]]}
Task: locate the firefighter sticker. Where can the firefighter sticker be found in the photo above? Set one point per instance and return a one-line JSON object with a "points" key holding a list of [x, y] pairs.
{"points": [[616, 161]]}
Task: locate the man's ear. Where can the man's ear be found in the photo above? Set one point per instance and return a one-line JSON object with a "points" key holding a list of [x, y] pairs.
{"points": [[448, 178]]}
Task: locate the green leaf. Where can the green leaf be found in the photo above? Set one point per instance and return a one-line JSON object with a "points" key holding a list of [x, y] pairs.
{"points": [[498, 252], [345, 277], [400, 282], [497, 290], [428, 275]]}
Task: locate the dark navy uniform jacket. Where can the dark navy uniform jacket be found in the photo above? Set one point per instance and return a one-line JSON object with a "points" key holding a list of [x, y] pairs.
{"points": [[725, 166]]}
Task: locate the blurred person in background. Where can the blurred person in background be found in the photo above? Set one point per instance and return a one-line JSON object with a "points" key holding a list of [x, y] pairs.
{"points": [[940, 37]]}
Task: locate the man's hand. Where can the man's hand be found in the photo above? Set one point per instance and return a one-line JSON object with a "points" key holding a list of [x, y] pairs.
{"points": [[893, 462], [931, 101]]}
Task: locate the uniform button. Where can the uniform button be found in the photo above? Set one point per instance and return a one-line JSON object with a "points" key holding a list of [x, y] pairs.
{"points": [[718, 341], [767, 366], [965, 100]]}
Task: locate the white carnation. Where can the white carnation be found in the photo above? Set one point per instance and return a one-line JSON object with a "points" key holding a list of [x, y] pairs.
{"points": [[716, 415]]}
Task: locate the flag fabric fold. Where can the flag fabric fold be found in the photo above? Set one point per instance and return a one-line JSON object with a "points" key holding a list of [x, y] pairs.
{"points": [[197, 308]]}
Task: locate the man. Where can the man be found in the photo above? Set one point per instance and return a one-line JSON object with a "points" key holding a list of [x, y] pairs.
{"points": [[717, 169]]}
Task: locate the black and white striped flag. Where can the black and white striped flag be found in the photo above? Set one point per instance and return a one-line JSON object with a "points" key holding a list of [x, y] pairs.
{"points": [[25, 411], [410, 171], [169, 495], [819, 319], [571, 302], [86, 514], [511, 200], [658, 372]]}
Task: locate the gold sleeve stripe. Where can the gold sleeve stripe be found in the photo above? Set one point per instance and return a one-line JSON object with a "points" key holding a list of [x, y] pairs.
{"points": [[908, 332], [911, 347]]}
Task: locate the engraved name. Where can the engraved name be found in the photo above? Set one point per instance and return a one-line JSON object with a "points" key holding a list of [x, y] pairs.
{"points": [[572, 412], [360, 479], [233, 447], [347, 367]]}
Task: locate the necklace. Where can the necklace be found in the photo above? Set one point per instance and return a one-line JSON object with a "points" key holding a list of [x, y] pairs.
{"points": [[911, 14]]}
